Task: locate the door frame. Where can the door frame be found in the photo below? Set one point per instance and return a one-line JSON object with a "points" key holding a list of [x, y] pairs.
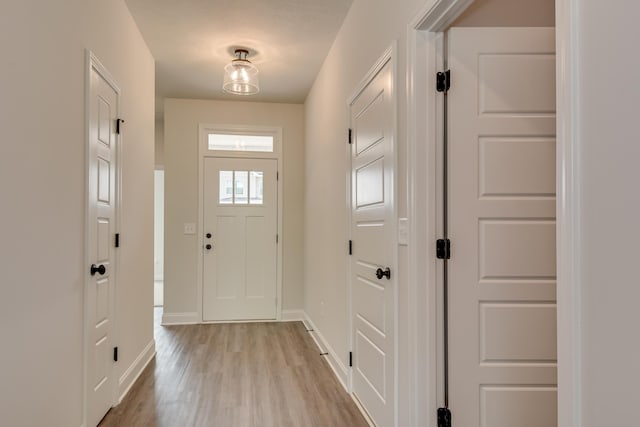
{"points": [[425, 58], [203, 152], [93, 63], [390, 57]]}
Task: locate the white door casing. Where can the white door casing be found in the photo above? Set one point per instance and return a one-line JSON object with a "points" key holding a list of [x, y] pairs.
{"points": [[103, 193], [373, 299], [158, 224], [240, 265], [502, 272]]}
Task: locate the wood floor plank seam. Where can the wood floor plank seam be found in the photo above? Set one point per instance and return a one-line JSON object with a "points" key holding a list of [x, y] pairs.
{"points": [[236, 375]]}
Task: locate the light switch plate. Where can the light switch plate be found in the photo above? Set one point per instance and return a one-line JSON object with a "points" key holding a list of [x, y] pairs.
{"points": [[403, 231], [189, 228]]}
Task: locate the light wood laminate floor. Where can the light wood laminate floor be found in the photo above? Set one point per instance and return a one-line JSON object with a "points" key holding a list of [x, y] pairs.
{"points": [[242, 374]]}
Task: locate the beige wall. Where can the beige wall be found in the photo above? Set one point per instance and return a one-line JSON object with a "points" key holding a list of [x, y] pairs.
{"points": [[370, 27], [508, 13], [159, 145], [42, 182], [182, 117], [606, 220]]}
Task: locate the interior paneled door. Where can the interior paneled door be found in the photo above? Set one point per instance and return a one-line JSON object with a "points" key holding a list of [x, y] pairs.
{"points": [[101, 223], [373, 294], [240, 238], [502, 272]]}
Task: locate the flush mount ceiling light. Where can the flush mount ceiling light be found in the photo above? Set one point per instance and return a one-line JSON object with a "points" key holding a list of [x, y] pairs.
{"points": [[240, 75]]}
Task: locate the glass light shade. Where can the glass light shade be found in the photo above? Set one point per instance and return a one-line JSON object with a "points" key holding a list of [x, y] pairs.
{"points": [[241, 78]]}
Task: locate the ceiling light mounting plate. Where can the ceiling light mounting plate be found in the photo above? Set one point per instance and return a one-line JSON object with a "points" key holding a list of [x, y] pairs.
{"points": [[241, 54], [251, 52]]}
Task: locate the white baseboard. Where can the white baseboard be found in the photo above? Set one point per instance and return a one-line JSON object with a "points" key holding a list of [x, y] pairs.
{"points": [[363, 411], [340, 371], [180, 319], [292, 316], [192, 318], [133, 372]]}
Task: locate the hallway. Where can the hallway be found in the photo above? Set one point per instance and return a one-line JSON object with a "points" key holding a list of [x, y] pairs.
{"points": [[243, 374]]}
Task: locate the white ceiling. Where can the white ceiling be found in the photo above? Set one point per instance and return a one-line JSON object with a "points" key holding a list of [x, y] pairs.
{"points": [[192, 41]]}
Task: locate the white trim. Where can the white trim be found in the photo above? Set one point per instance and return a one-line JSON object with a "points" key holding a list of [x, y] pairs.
{"points": [[438, 15], [435, 17], [128, 379], [424, 139], [275, 131], [292, 316], [204, 152], [224, 322], [349, 234], [424, 150], [93, 63], [388, 55], [192, 318], [394, 228], [363, 411], [568, 222], [341, 372]]}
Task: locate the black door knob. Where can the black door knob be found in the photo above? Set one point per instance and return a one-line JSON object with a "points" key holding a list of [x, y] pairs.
{"points": [[98, 269], [380, 273], [208, 247], [208, 235]]}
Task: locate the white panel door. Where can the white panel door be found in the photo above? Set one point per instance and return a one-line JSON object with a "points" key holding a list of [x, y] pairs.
{"points": [[373, 297], [240, 232], [101, 221], [502, 272]]}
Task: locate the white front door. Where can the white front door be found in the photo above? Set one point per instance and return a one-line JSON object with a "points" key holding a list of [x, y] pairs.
{"points": [[373, 295], [101, 223], [502, 271], [240, 239]]}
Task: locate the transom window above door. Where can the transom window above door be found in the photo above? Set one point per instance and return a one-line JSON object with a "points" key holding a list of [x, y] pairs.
{"points": [[239, 142], [241, 187]]}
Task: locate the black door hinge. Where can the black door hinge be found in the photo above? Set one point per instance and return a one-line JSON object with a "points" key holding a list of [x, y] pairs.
{"points": [[277, 238], [118, 121], [350, 136], [117, 240], [115, 354], [444, 417], [443, 81], [351, 358], [277, 176], [443, 249], [350, 247]]}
